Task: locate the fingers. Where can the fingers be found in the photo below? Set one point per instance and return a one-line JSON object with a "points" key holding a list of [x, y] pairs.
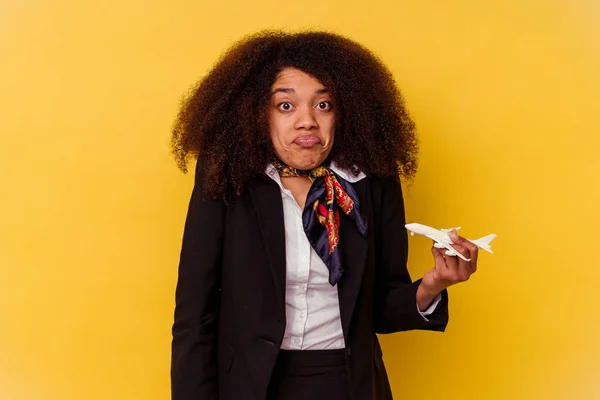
{"points": [[466, 248], [453, 269], [440, 270], [461, 268], [452, 261], [474, 253]]}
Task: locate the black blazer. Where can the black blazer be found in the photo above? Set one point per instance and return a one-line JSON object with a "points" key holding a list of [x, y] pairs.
{"points": [[230, 297]]}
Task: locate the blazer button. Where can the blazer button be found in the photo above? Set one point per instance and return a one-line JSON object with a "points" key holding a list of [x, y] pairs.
{"points": [[349, 351]]}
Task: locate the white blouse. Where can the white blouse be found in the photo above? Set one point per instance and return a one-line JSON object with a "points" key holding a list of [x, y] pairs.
{"points": [[311, 304]]}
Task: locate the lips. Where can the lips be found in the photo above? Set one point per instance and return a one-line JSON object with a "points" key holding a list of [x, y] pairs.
{"points": [[307, 141]]}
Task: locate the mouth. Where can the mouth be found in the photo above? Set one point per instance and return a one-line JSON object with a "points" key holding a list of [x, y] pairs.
{"points": [[307, 141]]}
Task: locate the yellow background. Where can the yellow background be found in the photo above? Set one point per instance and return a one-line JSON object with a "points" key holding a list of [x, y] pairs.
{"points": [[506, 98]]}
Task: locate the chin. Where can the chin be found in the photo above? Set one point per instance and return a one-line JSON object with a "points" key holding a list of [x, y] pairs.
{"points": [[304, 159], [306, 162], [306, 166]]}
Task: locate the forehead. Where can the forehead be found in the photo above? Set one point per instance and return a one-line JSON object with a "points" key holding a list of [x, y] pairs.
{"points": [[294, 78]]}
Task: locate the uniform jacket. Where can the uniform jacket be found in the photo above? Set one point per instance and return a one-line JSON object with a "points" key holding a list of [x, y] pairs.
{"points": [[230, 296]]}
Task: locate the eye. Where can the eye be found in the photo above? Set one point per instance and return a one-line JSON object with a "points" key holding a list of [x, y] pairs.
{"points": [[324, 105], [285, 106]]}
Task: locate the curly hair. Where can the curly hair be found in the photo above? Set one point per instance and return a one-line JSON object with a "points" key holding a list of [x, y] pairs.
{"points": [[223, 120]]}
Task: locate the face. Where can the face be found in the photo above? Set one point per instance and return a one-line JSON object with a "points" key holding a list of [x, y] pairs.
{"points": [[301, 119]]}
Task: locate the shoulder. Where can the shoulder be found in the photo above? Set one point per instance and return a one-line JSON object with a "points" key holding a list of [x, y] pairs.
{"points": [[386, 196], [385, 184]]}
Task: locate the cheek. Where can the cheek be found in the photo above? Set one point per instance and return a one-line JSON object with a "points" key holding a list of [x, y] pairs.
{"points": [[277, 129], [329, 129], [278, 139], [277, 133]]}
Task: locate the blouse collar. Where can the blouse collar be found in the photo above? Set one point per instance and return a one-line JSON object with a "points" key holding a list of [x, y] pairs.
{"points": [[343, 173]]}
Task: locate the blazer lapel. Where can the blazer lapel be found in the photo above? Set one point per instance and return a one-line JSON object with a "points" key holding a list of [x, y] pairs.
{"points": [[266, 197], [354, 248]]}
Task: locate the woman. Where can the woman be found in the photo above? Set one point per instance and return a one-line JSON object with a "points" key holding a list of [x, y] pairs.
{"points": [[294, 250]]}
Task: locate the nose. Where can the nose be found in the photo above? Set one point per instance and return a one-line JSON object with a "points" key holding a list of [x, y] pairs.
{"points": [[412, 227], [306, 118]]}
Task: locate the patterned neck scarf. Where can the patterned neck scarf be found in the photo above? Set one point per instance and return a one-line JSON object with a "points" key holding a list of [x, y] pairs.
{"points": [[321, 219]]}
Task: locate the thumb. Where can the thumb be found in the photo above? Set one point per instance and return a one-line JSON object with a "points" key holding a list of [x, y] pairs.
{"points": [[456, 239]]}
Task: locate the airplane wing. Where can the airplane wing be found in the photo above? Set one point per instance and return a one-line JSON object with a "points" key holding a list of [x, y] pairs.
{"points": [[449, 247]]}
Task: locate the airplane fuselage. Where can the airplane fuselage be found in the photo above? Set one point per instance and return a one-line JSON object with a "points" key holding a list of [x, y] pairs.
{"points": [[429, 232]]}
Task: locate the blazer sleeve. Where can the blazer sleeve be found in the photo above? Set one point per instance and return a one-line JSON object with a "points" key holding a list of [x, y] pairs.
{"points": [[197, 298], [395, 293]]}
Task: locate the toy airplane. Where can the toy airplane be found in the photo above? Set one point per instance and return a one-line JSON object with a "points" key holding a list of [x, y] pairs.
{"points": [[442, 239]]}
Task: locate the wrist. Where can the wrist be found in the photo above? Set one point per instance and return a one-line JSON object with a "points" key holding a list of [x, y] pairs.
{"points": [[430, 290]]}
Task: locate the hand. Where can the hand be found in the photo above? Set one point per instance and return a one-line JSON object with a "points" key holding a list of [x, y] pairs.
{"points": [[449, 270]]}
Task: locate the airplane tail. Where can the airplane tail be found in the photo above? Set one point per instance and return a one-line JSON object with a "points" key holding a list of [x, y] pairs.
{"points": [[484, 242]]}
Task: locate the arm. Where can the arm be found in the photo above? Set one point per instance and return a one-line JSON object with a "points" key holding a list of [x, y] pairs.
{"points": [[197, 298], [396, 296]]}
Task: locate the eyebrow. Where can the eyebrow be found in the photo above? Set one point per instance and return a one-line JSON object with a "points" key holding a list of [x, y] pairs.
{"points": [[290, 90]]}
